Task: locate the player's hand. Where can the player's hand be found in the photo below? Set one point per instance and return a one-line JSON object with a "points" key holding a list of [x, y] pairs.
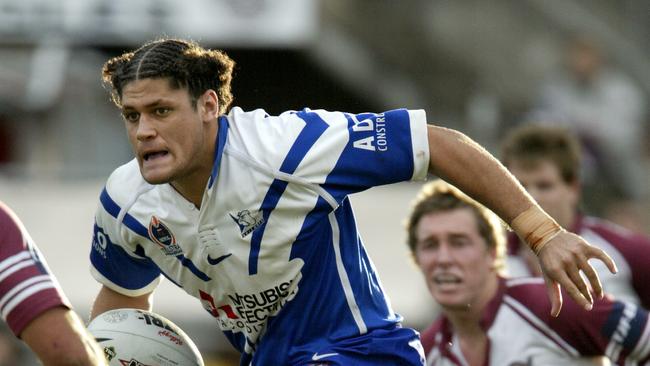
{"points": [[561, 260]]}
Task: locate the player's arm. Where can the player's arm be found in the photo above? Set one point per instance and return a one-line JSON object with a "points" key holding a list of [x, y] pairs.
{"points": [[464, 163], [108, 299], [59, 338]]}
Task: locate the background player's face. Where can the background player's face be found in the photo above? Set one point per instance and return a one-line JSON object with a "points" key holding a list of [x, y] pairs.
{"points": [[455, 260], [544, 182], [169, 136]]}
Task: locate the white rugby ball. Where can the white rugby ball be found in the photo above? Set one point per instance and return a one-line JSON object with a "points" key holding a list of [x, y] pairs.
{"points": [[132, 337]]}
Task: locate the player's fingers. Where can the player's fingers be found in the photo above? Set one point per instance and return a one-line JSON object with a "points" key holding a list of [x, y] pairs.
{"points": [[554, 293], [579, 282], [573, 291], [604, 257], [593, 278]]}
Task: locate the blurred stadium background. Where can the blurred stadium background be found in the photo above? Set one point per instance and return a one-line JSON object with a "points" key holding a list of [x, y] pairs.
{"points": [[472, 65]]}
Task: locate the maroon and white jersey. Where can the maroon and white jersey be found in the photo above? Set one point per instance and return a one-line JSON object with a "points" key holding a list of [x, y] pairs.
{"points": [[629, 250], [27, 288], [522, 332]]}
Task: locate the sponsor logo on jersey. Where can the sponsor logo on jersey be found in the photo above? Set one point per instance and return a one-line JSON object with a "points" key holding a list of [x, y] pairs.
{"points": [[317, 356], [377, 141], [160, 234], [249, 312], [215, 261], [247, 222]]}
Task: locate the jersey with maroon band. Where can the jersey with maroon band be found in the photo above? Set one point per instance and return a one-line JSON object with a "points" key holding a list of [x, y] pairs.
{"points": [[521, 331], [27, 288], [630, 251]]}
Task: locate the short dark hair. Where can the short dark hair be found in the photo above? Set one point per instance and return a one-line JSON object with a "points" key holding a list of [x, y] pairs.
{"points": [[532, 143], [184, 63], [439, 196]]}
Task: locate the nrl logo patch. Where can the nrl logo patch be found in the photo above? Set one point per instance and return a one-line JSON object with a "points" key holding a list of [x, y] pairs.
{"points": [[161, 235], [247, 222]]}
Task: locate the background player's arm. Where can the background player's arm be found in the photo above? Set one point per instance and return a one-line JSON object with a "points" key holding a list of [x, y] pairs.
{"points": [[108, 299], [462, 162], [59, 338]]}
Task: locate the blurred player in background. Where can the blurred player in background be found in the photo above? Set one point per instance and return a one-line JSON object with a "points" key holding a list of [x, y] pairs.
{"points": [[249, 212], [34, 306], [546, 160], [486, 319]]}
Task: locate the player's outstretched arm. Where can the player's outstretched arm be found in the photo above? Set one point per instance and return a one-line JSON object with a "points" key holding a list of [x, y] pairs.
{"points": [[108, 299], [462, 162], [59, 338]]}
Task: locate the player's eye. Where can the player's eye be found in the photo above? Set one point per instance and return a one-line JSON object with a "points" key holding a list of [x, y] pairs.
{"points": [[162, 111], [131, 116], [458, 242], [544, 185], [427, 244]]}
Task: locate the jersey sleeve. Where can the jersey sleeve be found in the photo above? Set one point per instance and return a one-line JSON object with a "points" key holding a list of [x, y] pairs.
{"points": [[341, 153], [117, 261], [635, 249], [372, 149], [616, 329], [27, 287]]}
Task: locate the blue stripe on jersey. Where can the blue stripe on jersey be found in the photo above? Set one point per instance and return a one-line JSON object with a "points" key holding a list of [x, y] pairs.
{"points": [[625, 321], [314, 128], [635, 329], [110, 260], [380, 151], [197, 272], [311, 132], [268, 204], [222, 135], [130, 222], [321, 291]]}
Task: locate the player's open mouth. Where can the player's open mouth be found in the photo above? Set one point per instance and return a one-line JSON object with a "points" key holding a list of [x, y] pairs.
{"points": [[153, 155], [445, 278]]}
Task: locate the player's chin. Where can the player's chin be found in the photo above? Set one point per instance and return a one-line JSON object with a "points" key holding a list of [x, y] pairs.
{"points": [[155, 176]]}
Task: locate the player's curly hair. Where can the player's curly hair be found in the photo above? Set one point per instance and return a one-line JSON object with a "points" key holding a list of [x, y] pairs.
{"points": [[185, 63], [439, 196]]}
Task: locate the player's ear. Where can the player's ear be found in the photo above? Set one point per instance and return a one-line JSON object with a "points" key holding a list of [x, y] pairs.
{"points": [[208, 105]]}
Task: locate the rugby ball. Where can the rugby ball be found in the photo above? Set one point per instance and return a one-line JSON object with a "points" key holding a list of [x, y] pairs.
{"points": [[133, 337]]}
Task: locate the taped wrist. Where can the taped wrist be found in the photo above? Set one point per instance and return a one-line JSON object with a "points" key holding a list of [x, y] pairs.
{"points": [[536, 228]]}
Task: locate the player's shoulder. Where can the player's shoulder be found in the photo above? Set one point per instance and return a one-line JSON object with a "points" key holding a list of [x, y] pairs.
{"points": [[6, 214], [125, 182], [528, 293], [611, 230], [241, 120]]}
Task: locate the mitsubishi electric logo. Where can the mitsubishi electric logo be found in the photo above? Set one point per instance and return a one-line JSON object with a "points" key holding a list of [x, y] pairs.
{"points": [[247, 222]]}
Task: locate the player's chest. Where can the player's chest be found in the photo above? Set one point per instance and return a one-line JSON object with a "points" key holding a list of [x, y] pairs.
{"points": [[239, 232]]}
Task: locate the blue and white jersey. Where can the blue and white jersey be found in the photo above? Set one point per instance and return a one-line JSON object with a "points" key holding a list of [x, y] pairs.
{"points": [[273, 253]]}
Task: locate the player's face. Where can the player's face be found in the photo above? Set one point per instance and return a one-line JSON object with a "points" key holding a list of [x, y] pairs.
{"points": [[457, 264], [544, 182], [171, 138]]}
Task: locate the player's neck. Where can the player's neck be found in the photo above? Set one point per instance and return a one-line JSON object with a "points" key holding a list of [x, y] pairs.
{"points": [[192, 185], [466, 321]]}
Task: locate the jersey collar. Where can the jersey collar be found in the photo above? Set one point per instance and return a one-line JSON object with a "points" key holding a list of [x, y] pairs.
{"points": [[222, 135]]}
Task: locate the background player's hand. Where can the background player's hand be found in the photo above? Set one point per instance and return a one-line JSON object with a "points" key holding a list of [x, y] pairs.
{"points": [[561, 260]]}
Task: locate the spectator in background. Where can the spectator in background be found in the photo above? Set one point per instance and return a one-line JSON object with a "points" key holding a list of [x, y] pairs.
{"points": [[488, 320], [606, 110], [34, 307], [546, 161]]}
